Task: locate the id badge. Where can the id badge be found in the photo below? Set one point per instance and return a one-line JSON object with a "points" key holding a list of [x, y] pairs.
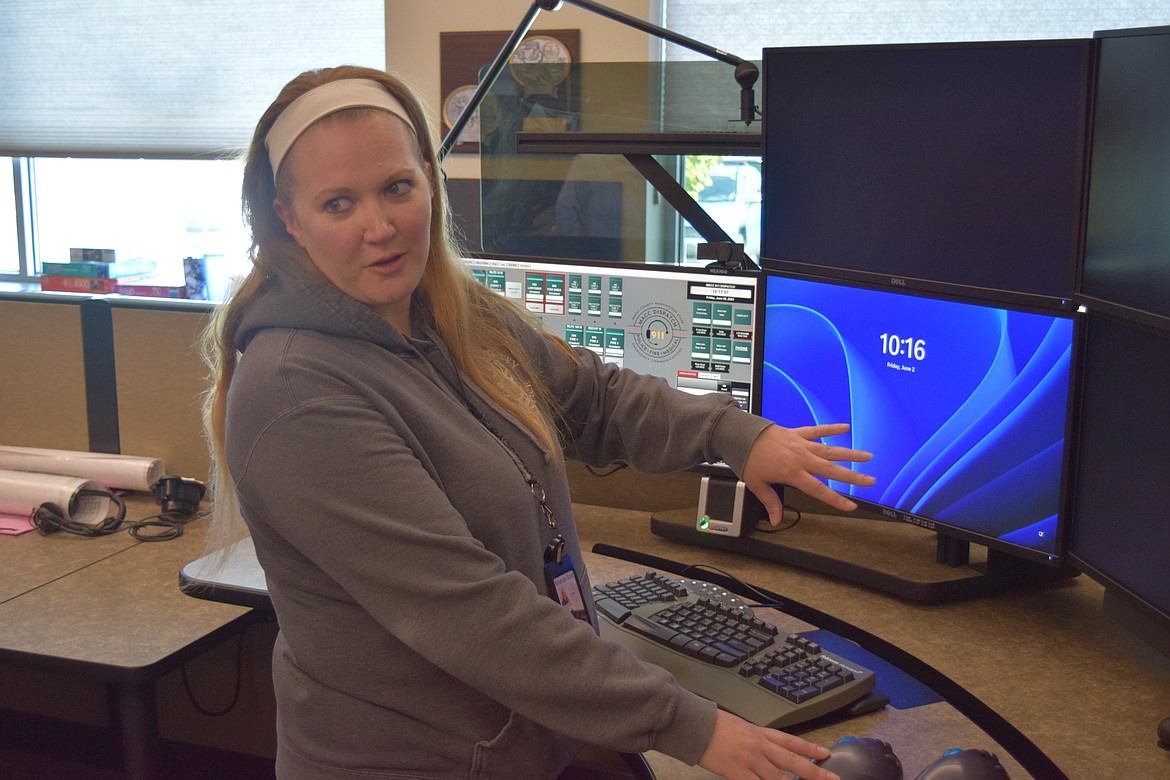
{"points": [[563, 583]]}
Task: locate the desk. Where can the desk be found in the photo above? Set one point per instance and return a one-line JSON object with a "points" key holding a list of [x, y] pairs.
{"points": [[1088, 694], [107, 608], [1084, 690], [29, 564]]}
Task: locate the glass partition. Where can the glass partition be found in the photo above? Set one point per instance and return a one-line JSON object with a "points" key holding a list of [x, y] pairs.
{"points": [[568, 153]]}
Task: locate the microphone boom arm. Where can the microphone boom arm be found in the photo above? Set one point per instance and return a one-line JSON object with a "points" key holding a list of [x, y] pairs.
{"points": [[746, 73]]}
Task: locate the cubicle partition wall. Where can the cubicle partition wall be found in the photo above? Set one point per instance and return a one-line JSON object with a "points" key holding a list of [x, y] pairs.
{"points": [[94, 630], [44, 398], [105, 374], [161, 380]]}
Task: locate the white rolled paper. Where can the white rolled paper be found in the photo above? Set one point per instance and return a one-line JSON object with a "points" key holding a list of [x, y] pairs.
{"points": [[128, 472], [21, 492]]}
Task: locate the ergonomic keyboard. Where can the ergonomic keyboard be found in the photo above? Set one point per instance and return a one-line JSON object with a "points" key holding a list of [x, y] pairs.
{"points": [[715, 646]]}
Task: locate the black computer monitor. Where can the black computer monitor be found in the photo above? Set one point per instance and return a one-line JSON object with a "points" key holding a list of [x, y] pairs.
{"points": [[1127, 242], [935, 164], [694, 328], [1120, 529], [964, 404]]}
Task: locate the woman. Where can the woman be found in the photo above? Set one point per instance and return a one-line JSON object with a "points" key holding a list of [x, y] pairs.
{"points": [[395, 435]]}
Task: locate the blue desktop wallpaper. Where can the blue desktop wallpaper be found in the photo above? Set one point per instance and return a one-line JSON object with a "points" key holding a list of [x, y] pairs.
{"points": [[963, 406]]}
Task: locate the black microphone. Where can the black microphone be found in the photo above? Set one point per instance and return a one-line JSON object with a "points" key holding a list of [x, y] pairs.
{"points": [[746, 74]]}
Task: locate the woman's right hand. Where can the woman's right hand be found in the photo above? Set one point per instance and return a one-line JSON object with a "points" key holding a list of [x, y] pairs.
{"points": [[797, 457], [740, 750]]}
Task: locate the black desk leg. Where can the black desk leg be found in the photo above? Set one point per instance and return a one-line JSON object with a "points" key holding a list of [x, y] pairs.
{"points": [[137, 713]]}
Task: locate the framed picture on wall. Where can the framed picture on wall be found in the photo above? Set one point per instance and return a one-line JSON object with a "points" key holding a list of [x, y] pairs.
{"points": [[540, 69]]}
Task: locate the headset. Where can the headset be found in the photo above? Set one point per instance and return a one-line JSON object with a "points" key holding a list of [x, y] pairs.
{"points": [[49, 519]]}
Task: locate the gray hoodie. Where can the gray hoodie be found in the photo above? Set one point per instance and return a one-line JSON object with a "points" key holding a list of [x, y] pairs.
{"points": [[403, 548]]}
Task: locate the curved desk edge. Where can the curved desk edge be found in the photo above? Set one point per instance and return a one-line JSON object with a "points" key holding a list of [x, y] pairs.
{"points": [[1035, 761]]}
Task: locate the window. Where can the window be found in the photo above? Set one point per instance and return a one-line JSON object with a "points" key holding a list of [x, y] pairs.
{"points": [[157, 210], [729, 190], [126, 114], [9, 252], [757, 24]]}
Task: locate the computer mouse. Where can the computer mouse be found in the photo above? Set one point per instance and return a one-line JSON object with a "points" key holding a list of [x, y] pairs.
{"points": [[862, 758], [1164, 734], [958, 764]]}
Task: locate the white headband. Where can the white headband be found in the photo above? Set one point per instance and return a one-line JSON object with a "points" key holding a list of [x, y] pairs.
{"points": [[318, 103]]}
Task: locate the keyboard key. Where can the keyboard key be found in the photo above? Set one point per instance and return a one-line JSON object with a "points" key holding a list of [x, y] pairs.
{"points": [[802, 695], [775, 684], [737, 655], [829, 684], [612, 610], [649, 629]]}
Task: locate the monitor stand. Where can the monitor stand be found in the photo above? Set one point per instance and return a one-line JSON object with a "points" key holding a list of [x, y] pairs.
{"points": [[902, 560]]}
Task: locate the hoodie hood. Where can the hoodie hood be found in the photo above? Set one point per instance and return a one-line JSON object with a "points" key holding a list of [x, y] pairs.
{"points": [[293, 297], [296, 299]]}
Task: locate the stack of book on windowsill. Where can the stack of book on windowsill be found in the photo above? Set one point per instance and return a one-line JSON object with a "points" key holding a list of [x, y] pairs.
{"points": [[99, 271]]}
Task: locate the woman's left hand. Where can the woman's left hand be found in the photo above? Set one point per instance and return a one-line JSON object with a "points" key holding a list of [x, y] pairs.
{"points": [[795, 457], [739, 750]]}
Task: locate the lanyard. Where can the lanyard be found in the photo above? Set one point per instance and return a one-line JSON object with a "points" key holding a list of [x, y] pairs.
{"points": [[455, 381], [560, 574], [533, 485]]}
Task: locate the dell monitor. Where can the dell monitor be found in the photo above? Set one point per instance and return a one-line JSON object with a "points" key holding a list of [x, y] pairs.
{"points": [[935, 165], [963, 403]]}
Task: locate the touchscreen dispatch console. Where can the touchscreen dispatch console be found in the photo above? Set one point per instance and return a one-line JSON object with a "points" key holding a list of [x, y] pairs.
{"points": [[694, 328]]}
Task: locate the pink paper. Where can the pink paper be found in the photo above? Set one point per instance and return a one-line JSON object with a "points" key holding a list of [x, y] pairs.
{"points": [[12, 525]]}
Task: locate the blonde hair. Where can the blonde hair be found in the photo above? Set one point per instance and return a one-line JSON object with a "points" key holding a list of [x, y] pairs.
{"points": [[495, 360]]}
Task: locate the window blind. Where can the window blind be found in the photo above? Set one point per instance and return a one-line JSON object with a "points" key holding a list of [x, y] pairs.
{"points": [[180, 78], [746, 27]]}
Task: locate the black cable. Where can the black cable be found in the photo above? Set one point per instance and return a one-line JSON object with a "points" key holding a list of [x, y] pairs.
{"points": [[169, 525], [613, 468], [231, 705], [766, 602], [766, 527]]}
